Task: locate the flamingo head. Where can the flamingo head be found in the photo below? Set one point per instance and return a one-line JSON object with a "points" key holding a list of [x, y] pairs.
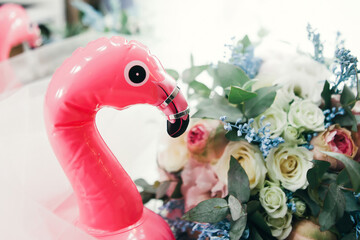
{"points": [[34, 35], [141, 79]]}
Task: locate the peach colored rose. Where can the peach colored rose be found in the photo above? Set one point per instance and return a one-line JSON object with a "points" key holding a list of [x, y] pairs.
{"points": [[200, 183], [334, 139], [307, 230], [206, 141]]}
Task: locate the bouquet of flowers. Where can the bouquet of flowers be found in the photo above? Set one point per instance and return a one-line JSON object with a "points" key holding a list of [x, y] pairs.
{"points": [[272, 149]]}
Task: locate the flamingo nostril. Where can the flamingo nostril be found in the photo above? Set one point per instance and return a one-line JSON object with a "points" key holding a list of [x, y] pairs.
{"points": [[178, 127]]}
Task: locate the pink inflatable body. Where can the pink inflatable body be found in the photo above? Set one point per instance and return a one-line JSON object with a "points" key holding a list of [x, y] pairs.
{"points": [[15, 28], [116, 73]]}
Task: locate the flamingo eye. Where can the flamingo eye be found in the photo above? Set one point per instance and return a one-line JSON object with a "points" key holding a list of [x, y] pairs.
{"points": [[136, 73]]}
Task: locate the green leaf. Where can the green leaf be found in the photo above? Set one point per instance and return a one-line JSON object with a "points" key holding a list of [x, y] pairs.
{"points": [[326, 95], [347, 97], [264, 99], [146, 196], [245, 42], [343, 179], [258, 220], [200, 88], [210, 211], [177, 191], [237, 228], [350, 236], [172, 73], [252, 206], [227, 75], [314, 208], [145, 185], [248, 85], [236, 210], [238, 181], [344, 225], [315, 174], [334, 206], [216, 107], [352, 203], [162, 189], [254, 234], [232, 136], [347, 120], [238, 95], [352, 167], [190, 74]]}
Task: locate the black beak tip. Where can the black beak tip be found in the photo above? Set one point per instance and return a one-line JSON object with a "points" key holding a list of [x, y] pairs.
{"points": [[178, 127]]}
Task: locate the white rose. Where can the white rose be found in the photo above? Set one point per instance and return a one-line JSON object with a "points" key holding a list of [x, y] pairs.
{"points": [[293, 135], [306, 115], [289, 166], [280, 227], [299, 73], [172, 153], [283, 98], [250, 158], [277, 119], [273, 200]]}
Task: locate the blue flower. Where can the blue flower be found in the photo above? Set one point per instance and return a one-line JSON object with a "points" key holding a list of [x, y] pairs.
{"points": [[318, 46], [243, 57], [261, 136]]}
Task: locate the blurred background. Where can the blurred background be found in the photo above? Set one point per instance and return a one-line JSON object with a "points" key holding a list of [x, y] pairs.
{"points": [[36, 199]]}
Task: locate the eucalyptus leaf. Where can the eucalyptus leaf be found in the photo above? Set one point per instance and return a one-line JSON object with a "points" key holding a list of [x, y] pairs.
{"points": [[238, 95], [200, 88], [227, 75], [190, 74], [172, 73], [264, 99], [350, 236], [210, 211], [237, 228], [146, 196], [216, 107], [334, 206], [236, 210], [245, 42], [238, 181], [254, 234], [352, 167], [248, 85], [344, 225], [347, 120]]}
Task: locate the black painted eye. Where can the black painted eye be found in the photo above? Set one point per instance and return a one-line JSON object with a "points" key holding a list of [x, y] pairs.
{"points": [[136, 73]]}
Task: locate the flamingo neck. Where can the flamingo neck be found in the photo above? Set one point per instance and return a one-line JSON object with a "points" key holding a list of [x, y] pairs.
{"points": [[107, 197]]}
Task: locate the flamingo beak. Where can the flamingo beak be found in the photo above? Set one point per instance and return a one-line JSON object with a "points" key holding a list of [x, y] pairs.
{"points": [[175, 108]]}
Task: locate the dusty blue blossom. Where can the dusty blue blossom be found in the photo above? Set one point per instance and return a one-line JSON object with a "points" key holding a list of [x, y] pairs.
{"points": [[318, 46], [215, 231], [261, 136], [345, 69], [330, 114], [355, 218], [243, 57]]}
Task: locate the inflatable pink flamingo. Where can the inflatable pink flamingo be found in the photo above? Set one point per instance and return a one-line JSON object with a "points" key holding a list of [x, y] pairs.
{"points": [[15, 28], [116, 73]]}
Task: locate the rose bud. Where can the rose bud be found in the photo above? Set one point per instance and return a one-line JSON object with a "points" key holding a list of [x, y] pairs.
{"points": [[334, 139], [206, 141]]}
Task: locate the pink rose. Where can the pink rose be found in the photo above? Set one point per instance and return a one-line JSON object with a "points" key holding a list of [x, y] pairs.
{"points": [[200, 183], [197, 138], [206, 141], [334, 139]]}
